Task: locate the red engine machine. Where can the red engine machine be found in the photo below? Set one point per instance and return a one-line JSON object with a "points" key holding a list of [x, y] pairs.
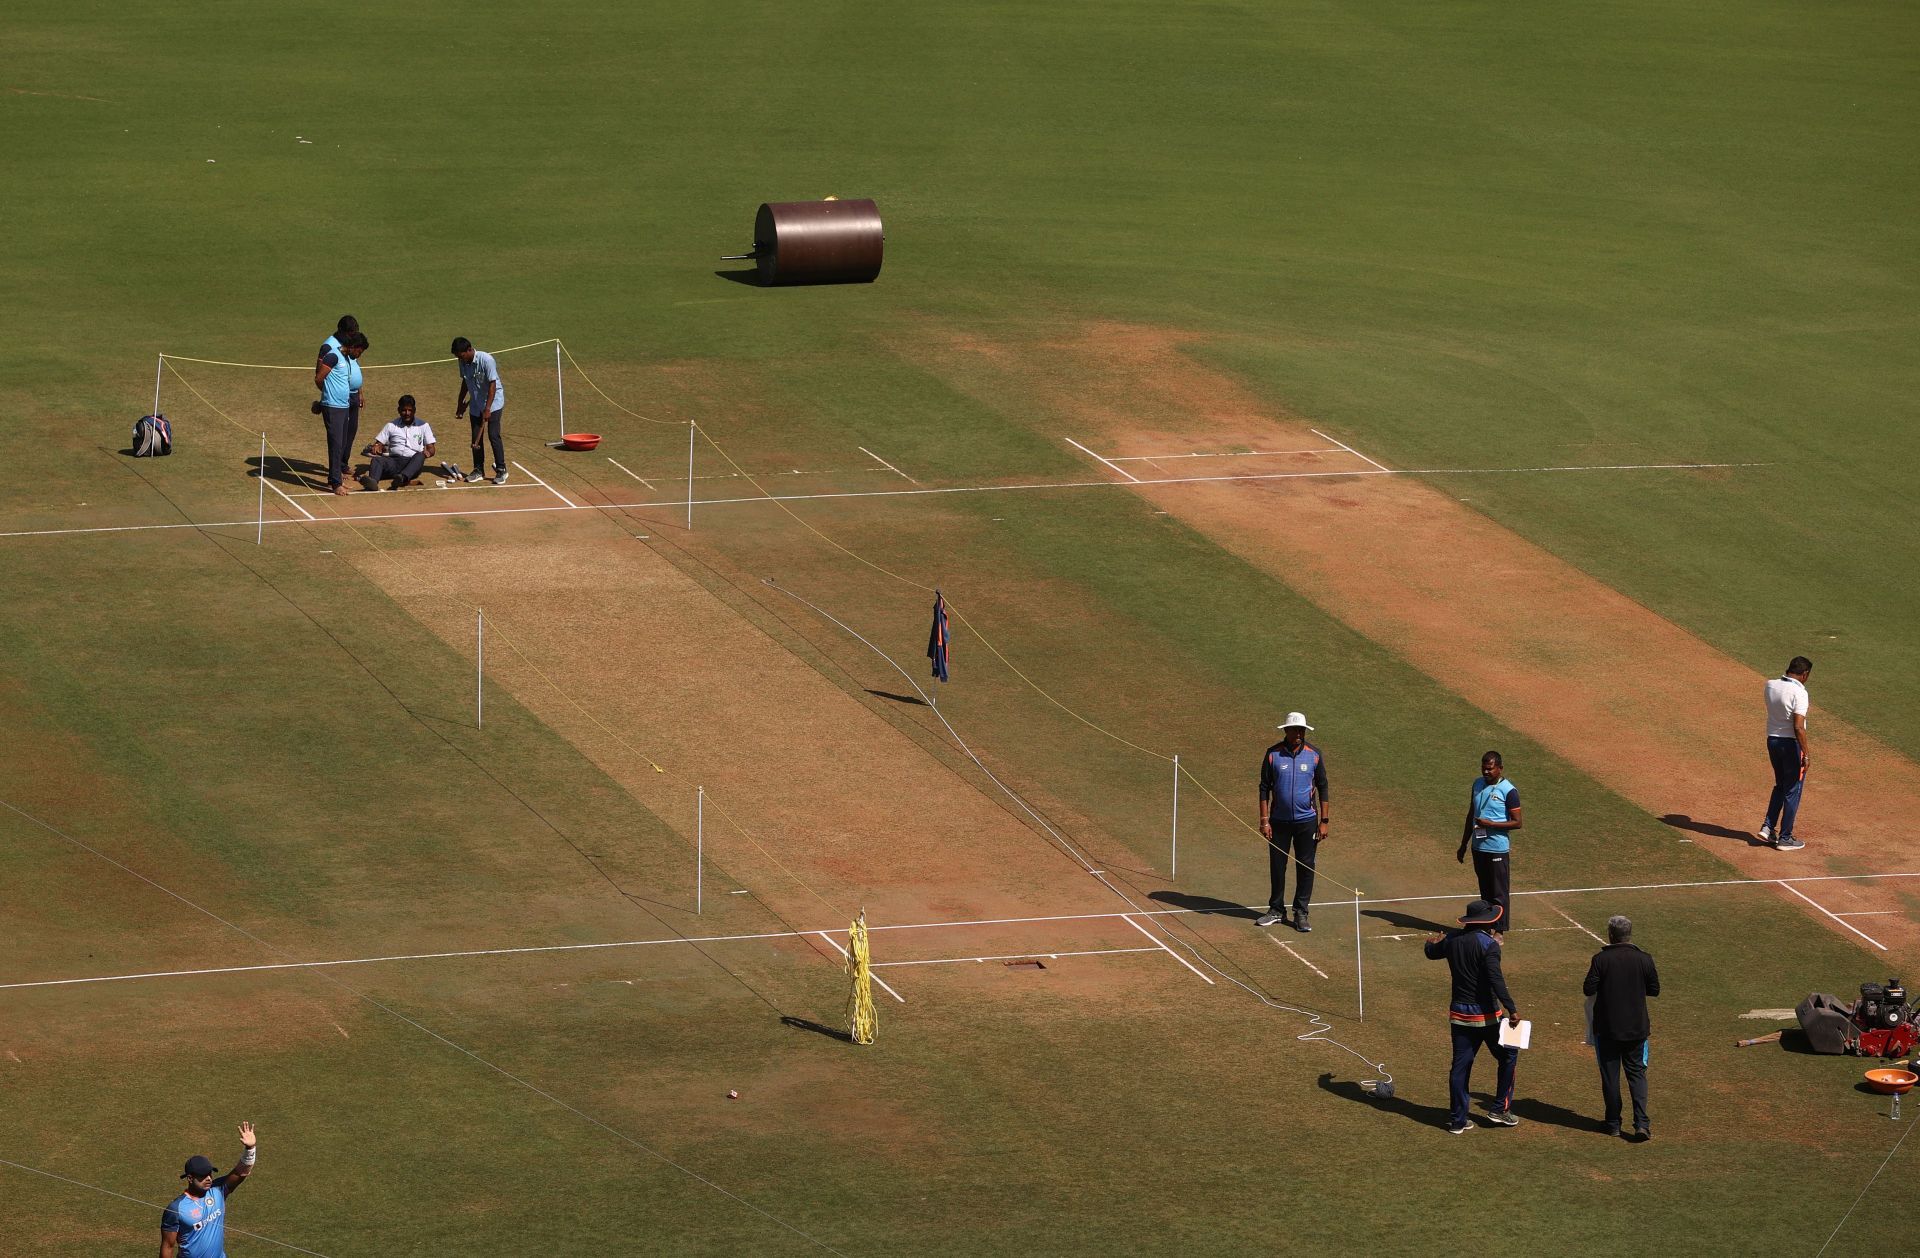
{"points": [[1885, 1020]]}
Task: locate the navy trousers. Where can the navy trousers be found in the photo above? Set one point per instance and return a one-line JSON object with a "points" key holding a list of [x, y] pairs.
{"points": [[1614, 1055], [1788, 777], [1466, 1046]]}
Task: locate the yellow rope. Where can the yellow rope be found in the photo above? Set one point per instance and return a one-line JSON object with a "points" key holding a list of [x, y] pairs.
{"points": [[672, 423], [425, 362], [862, 1021]]}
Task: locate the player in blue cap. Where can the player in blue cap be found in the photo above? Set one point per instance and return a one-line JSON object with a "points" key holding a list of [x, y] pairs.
{"points": [[194, 1224]]}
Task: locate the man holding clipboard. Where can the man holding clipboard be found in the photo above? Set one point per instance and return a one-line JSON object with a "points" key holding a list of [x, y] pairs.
{"points": [[1480, 992]]}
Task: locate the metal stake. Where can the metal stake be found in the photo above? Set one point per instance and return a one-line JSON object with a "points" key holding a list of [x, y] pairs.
{"points": [[560, 387], [699, 845], [158, 363], [479, 668], [1175, 871], [690, 432], [260, 530], [1359, 966]]}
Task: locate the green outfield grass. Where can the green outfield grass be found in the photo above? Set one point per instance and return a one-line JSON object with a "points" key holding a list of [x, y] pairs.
{"points": [[1461, 237]]}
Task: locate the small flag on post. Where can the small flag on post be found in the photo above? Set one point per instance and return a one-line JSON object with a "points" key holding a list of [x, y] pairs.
{"points": [[937, 640]]}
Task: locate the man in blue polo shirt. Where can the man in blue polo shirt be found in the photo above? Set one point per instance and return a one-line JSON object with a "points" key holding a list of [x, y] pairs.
{"points": [[194, 1224], [337, 376], [1293, 819], [1493, 812], [483, 396]]}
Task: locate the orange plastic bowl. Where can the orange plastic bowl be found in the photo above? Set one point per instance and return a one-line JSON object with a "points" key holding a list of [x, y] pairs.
{"points": [[1891, 1081], [579, 440]]}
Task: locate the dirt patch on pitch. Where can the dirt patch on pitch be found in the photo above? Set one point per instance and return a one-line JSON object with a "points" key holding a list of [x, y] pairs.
{"points": [[1631, 699]]}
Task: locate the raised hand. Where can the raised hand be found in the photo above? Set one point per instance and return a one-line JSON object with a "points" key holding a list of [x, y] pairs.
{"points": [[247, 1138]]}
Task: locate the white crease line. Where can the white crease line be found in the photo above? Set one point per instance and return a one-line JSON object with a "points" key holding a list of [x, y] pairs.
{"points": [[1020, 956], [883, 463], [875, 977], [1836, 917], [1156, 942], [1110, 463], [629, 471], [424, 472], [1222, 454], [1874, 913], [894, 493], [289, 497], [549, 488], [1296, 956], [1349, 449], [1562, 912], [1518, 930], [946, 925]]}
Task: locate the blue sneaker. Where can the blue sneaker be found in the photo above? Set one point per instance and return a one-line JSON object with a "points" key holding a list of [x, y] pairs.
{"points": [[1787, 843]]}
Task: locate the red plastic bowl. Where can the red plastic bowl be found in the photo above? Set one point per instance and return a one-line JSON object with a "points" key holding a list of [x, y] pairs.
{"points": [[1891, 1081], [579, 440]]}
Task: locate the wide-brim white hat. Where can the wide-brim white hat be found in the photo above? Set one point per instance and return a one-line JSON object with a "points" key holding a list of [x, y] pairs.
{"points": [[1295, 718]]}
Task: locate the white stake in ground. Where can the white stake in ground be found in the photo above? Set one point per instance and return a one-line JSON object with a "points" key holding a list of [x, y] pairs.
{"points": [[699, 846], [479, 667], [1174, 872], [260, 529], [560, 388], [1359, 968], [158, 364], [690, 432]]}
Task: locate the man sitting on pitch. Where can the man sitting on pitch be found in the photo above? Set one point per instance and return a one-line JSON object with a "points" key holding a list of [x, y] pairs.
{"points": [[402, 449]]}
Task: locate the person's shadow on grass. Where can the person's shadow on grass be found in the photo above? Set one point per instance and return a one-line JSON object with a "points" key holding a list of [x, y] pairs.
{"points": [[1680, 821], [288, 471], [1352, 1090], [1406, 921], [1532, 1110], [1204, 904]]}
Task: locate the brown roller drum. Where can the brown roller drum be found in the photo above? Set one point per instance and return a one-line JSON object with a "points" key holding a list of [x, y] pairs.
{"points": [[818, 242]]}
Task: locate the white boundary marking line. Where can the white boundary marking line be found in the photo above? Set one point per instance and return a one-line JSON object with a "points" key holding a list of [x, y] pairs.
{"points": [[629, 471], [1836, 917], [875, 977], [946, 925], [883, 463], [1350, 450], [1296, 956], [1576, 925], [1109, 462], [463, 488], [289, 497], [893, 493], [1518, 930], [1163, 947], [1220, 454], [1874, 913], [549, 488], [1020, 956]]}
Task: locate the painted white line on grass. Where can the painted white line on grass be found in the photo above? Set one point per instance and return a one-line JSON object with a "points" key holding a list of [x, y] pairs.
{"points": [[942, 925], [1223, 454], [1577, 926], [883, 463], [1350, 450], [463, 487], [549, 488], [1874, 913], [1518, 930], [1835, 916], [1109, 462], [1170, 952], [1768, 1015], [674, 503], [849, 956], [629, 471], [1020, 956], [1296, 956], [289, 497]]}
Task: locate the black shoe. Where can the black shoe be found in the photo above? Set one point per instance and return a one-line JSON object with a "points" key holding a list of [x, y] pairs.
{"points": [[1641, 1135], [1613, 1129], [1300, 922], [1502, 1118], [1270, 919]]}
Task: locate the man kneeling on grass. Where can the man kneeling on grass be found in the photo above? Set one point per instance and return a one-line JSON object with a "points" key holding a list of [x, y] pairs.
{"points": [[402, 449]]}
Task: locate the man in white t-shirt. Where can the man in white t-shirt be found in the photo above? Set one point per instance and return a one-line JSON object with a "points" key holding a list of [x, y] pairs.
{"points": [[1787, 750], [402, 448]]}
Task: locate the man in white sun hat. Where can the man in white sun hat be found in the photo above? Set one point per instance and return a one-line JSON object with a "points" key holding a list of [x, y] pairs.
{"points": [[1293, 818]]}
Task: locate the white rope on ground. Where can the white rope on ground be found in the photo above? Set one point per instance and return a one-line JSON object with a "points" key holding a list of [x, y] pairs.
{"points": [[77, 1183], [534, 1088], [1863, 1192], [1321, 1026]]}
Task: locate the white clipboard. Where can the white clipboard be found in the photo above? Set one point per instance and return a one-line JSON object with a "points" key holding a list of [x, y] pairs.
{"points": [[1512, 1036]]}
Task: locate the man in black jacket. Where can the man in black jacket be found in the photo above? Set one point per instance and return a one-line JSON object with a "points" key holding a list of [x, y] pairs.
{"points": [[1618, 983], [1479, 993]]}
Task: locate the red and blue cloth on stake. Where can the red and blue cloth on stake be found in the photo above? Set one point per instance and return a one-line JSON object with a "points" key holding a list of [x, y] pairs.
{"points": [[937, 640]]}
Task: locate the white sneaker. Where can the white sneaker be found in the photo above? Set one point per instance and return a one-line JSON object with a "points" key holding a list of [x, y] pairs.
{"points": [[1787, 844], [1766, 833], [1270, 919], [474, 477]]}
